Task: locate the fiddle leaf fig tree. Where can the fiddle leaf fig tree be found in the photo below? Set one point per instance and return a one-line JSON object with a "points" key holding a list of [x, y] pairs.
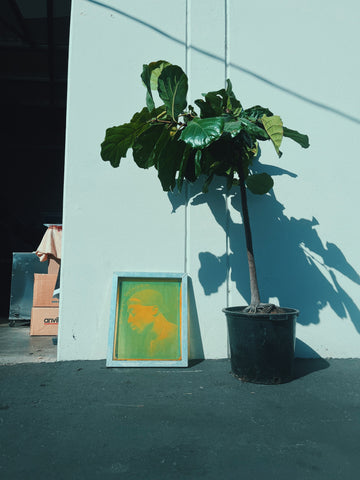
{"points": [[221, 138]]}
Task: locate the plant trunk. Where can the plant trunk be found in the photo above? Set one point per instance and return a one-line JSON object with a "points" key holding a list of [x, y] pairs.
{"points": [[254, 288]]}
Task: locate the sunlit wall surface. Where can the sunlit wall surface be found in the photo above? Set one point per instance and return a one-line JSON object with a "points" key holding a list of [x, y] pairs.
{"points": [[297, 58]]}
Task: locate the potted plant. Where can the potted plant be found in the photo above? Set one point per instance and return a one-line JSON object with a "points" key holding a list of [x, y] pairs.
{"points": [[221, 139]]}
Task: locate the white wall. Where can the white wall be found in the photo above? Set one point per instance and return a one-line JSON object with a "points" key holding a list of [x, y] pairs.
{"points": [[297, 58]]}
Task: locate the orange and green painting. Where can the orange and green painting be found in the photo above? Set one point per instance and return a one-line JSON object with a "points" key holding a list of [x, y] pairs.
{"points": [[148, 320]]}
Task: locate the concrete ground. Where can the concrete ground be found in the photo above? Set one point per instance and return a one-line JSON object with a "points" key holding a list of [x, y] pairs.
{"points": [[81, 420], [17, 346]]}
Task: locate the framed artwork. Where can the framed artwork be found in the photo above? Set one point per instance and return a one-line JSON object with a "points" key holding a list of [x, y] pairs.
{"points": [[148, 320]]}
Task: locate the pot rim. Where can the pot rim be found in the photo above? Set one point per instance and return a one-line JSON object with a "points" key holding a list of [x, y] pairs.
{"points": [[237, 311]]}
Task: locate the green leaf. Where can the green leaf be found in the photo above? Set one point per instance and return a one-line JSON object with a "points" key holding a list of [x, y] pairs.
{"points": [[300, 138], [117, 142], [209, 161], [172, 88], [274, 127], [219, 157], [260, 183], [157, 147], [216, 102], [144, 149], [145, 76], [150, 76], [198, 163], [144, 116], [119, 139], [223, 100], [237, 111], [232, 103], [169, 160], [189, 172], [234, 127], [207, 182], [219, 102], [201, 132], [155, 70], [256, 112], [183, 166], [206, 110]]}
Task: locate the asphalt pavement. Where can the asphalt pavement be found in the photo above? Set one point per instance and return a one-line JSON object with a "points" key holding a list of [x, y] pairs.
{"points": [[82, 420]]}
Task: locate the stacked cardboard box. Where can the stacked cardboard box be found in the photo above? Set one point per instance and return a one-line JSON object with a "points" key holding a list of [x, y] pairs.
{"points": [[45, 310]]}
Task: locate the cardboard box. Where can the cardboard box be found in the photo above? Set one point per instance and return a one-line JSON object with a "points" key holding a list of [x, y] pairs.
{"points": [[44, 321], [53, 265], [44, 285]]}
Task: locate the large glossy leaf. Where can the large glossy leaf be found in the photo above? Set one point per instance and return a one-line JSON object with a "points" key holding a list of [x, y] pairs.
{"points": [[145, 76], [149, 76], [186, 159], [161, 145], [216, 102], [256, 112], [205, 187], [235, 127], [144, 149], [189, 172], [169, 161], [183, 166], [155, 70], [260, 183], [201, 132], [198, 163], [144, 116], [119, 139], [223, 100], [300, 138], [206, 110], [219, 102], [209, 161], [274, 127], [232, 103], [117, 142], [219, 157], [157, 147], [172, 88]]}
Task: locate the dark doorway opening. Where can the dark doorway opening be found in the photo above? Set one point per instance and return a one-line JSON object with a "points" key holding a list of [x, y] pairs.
{"points": [[34, 43]]}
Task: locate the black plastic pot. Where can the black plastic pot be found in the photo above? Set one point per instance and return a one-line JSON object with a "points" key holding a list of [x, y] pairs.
{"points": [[262, 345]]}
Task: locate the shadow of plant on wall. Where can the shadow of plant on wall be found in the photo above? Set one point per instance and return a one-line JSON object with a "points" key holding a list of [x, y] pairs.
{"points": [[295, 266]]}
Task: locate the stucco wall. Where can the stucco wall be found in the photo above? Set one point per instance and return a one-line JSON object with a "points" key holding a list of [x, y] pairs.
{"points": [[298, 59]]}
